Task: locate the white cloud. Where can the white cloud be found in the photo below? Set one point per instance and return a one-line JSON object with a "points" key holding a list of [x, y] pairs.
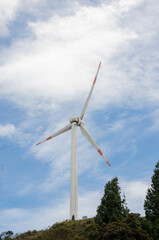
{"points": [[127, 5], [135, 192], [20, 220], [7, 130], [7, 14], [58, 60], [155, 119], [11, 10], [56, 65], [117, 125], [51, 70], [26, 189]]}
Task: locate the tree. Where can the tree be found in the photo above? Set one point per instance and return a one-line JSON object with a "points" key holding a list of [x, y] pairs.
{"points": [[112, 207], [6, 235], [151, 205], [129, 229]]}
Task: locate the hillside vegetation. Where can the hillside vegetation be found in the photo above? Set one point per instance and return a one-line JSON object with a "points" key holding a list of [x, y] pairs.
{"points": [[128, 229], [112, 222]]}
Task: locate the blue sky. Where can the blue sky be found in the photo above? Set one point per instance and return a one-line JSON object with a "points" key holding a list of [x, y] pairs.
{"points": [[49, 57]]}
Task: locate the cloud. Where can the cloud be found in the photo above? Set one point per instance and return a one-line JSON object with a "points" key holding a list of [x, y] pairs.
{"points": [[51, 69], [155, 121], [127, 5], [7, 14], [48, 74], [7, 130], [15, 11], [70, 54], [20, 220], [59, 49], [26, 189], [135, 192]]}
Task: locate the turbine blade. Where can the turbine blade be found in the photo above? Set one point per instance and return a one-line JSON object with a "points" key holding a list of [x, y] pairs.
{"points": [[90, 93], [66, 128], [90, 139]]}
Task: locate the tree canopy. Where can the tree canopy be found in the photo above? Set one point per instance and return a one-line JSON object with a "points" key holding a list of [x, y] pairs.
{"points": [[112, 207], [151, 204]]}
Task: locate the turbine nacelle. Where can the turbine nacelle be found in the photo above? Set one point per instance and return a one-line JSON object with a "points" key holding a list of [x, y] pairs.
{"points": [[77, 120]]}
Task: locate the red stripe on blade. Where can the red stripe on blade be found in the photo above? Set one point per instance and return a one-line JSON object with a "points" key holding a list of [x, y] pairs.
{"points": [[95, 80], [38, 143], [48, 138], [109, 164], [100, 152]]}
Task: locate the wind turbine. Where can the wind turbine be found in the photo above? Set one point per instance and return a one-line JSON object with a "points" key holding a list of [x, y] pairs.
{"points": [[74, 122]]}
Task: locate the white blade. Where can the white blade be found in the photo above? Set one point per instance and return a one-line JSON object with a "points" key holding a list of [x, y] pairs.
{"points": [[66, 128], [90, 93], [90, 139]]}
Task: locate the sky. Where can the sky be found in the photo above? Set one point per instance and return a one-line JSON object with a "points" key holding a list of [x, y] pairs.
{"points": [[49, 54]]}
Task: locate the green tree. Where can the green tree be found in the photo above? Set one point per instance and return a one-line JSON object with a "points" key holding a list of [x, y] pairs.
{"points": [[151, 205], [6, 235], [112, 207]]}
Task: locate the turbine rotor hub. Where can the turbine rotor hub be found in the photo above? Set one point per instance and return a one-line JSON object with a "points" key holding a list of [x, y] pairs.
{"points": [[74, 119], [77, 120]]}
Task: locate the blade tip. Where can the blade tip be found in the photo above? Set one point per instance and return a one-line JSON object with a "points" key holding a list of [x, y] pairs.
{"points": [[109, 164]]}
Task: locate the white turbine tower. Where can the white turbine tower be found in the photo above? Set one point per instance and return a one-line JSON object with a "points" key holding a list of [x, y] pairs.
{"points": [[74, 122]]}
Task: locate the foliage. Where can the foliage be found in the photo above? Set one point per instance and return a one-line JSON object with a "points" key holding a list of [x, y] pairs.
{"points": [[117, 230], [151, 206], [112, 222], [67, 230], [134, 221], [128, 229], [6, 235], [152, 228], [112, 207]]}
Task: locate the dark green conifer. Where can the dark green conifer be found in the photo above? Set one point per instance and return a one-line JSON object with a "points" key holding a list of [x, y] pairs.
{"points": [[151, 204], [112, 207]]}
